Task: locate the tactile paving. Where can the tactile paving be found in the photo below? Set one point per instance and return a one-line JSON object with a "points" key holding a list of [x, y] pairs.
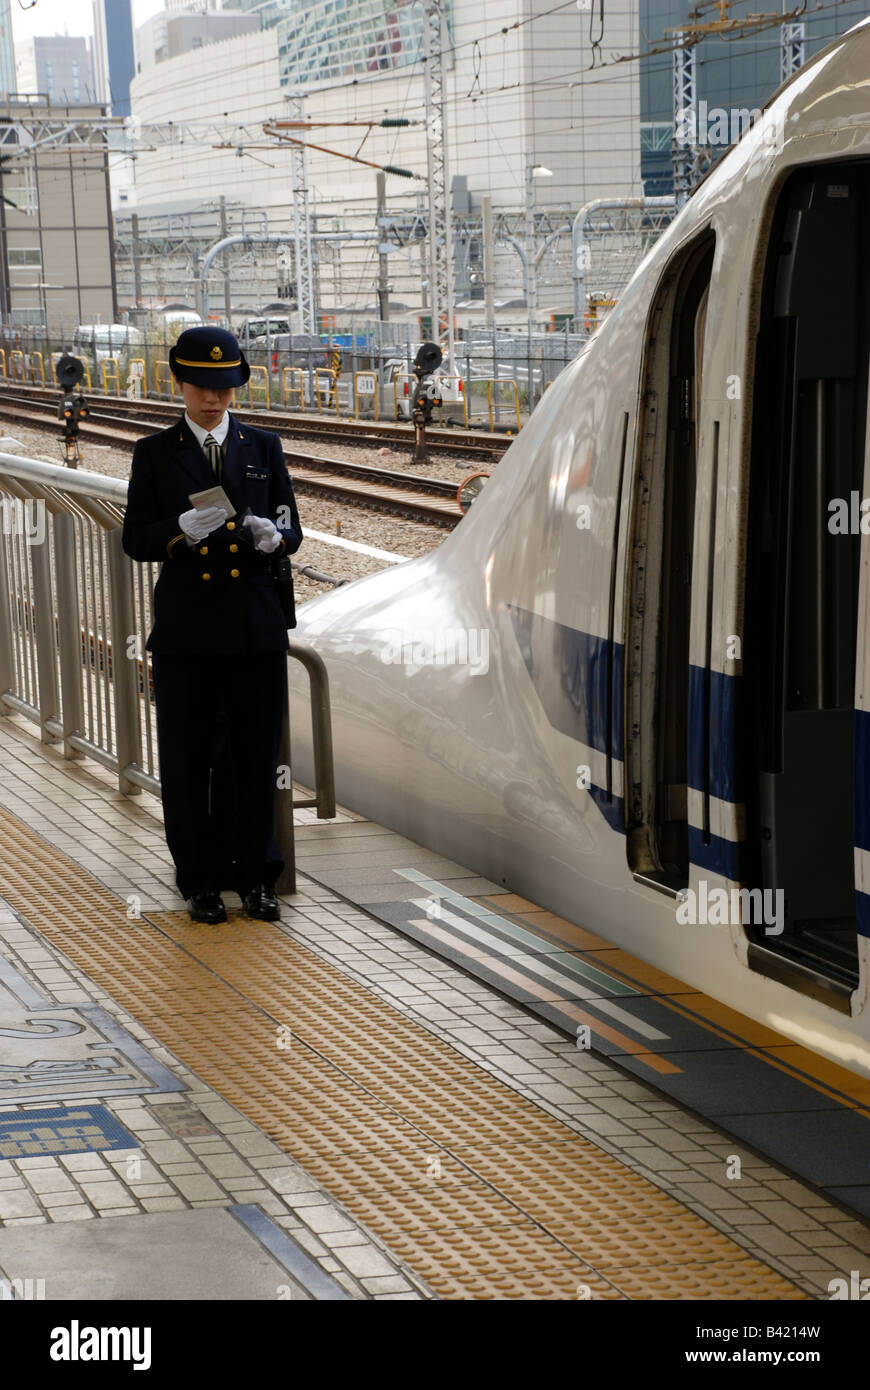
{"points": [[481, 1192]]}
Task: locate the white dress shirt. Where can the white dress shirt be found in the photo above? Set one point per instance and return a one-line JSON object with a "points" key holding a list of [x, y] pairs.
{"points": [[218, 434]]}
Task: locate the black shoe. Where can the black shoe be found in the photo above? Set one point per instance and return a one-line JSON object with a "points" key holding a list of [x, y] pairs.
{"points": [[261, 902], [206, 907]]}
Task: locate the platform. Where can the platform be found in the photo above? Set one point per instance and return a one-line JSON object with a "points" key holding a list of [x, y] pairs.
{"points": [[381, 1097]]}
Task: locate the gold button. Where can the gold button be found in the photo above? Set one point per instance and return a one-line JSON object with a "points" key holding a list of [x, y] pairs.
{"points": [[231, 526], [206, 576], [234, 548], [234, 574], [203, 550]]}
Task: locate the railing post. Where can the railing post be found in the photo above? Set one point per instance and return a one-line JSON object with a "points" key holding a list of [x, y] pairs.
{"points": [[321, 729], [125, 669], [7, 662], [324, 775], [70, 634], [44, 623], [284, 809]]}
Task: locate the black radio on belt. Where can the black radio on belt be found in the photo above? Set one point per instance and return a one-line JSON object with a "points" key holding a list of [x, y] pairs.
{"points": [[281, 572]]}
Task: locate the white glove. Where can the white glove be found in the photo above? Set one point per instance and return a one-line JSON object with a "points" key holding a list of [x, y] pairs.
{"points": [[265, 533], [200, 522]]}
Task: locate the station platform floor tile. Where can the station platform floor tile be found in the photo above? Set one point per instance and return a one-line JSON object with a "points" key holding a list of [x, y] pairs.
{"points": [[332, 1108], [164, 1255], [738, 1073]]}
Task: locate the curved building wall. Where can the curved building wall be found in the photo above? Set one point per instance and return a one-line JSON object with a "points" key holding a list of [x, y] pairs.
{"points": [[507, 104]]}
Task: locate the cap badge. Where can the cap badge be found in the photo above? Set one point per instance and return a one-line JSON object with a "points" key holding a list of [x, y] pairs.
{"points": [[216, 353]]}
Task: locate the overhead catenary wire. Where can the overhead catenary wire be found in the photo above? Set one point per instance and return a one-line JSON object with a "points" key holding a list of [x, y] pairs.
{"points": [[354, 159]]}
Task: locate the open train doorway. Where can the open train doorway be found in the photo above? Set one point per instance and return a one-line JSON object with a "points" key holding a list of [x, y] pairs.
{"points": [[661, 575], [803, 568]]}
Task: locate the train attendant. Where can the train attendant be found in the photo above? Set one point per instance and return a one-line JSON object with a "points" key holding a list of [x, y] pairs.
{"points": [[219, 637]]}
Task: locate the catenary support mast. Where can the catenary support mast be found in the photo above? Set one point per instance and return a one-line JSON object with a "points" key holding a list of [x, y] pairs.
{"points": [[440, 231], [302, 227]]}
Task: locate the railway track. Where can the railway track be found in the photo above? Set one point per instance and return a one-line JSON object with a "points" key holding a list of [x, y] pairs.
{"points": [[429, 500], [150, 414]]}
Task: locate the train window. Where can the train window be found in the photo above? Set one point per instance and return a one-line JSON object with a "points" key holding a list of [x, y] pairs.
{"points": [[796, 741], [660, 579]]}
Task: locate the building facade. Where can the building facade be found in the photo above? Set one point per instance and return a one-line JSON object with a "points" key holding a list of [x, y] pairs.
{"points": [[56, 253], [7, 50], [166, 35], [114, 59], [730, 76], [531, 96], [59, 66]]}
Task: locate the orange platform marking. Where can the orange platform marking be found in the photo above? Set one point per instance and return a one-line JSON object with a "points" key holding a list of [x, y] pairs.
{"points": [[779, 1051]]}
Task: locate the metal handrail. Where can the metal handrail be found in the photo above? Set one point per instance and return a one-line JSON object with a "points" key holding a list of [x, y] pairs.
{"points": [[321, 729], [74, 611]]}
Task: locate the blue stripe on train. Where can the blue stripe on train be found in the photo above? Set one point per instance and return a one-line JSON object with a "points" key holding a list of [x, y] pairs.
{"points": [[717, 854], [568, 669], [725, 783], [611, 807]]}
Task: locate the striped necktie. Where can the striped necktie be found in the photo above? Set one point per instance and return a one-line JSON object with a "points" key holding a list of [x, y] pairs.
{"points": [[213, 454]]}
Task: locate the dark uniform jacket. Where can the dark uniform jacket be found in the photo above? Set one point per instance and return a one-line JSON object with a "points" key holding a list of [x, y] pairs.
{"points": [[217, 595]]}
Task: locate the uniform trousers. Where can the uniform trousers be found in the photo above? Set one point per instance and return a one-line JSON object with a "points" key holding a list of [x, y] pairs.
{"points": [[219, 724]]}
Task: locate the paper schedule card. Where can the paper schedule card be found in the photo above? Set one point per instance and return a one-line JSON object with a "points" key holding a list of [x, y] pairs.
{"points": [[212, 497]]}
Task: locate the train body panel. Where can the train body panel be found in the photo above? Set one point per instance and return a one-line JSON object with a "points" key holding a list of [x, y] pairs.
{"points": [[563, 696]]}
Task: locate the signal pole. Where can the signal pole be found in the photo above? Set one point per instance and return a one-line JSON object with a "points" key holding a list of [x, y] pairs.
{"points": [[440, 211], [383, 266], [488, 262]]}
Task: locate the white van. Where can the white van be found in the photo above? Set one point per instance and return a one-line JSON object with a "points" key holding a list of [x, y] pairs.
{"points": [[179, 320], [97, 341]]}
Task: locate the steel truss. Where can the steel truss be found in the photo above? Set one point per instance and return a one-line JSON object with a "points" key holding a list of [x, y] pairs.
{"points": [[440, 210], [305, 294]]}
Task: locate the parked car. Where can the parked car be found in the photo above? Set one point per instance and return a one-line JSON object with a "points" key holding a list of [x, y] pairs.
{"points": [[258, 331], [398, 378]]}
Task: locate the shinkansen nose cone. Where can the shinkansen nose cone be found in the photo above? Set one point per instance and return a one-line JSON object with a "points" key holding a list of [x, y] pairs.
{"points": [[600, 689]]}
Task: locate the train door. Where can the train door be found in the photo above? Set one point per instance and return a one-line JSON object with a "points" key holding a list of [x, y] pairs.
{"points": [[660, 576], [796, 744]]}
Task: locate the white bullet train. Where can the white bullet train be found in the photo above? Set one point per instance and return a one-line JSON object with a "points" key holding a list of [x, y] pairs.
{"points": [[638, 672]]}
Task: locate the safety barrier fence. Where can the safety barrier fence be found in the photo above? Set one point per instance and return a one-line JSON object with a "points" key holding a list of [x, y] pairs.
{"points": [[495, 391], [111, 375], [164, 381], [259, 389], [293, 388], [365, 394], [75, 612], [326, 389], [499, 398]]}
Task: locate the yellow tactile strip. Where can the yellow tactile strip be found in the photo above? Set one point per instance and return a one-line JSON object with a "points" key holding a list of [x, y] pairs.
{"points": [[482, 1193]]}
